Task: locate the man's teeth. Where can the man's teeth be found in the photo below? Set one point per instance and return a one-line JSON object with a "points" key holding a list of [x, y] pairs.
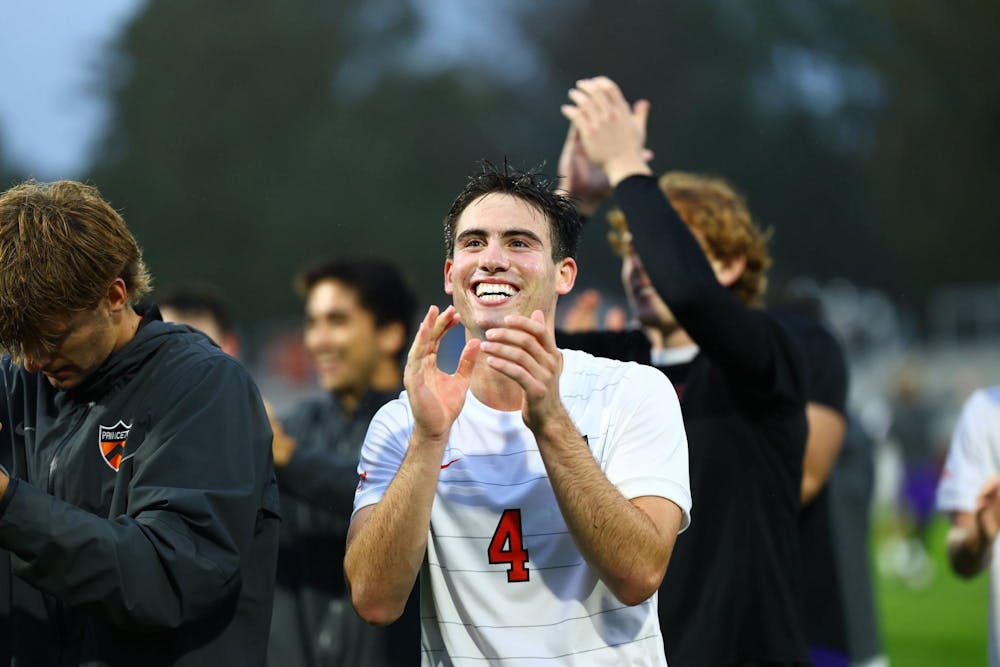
{"points": [[494, 292]]}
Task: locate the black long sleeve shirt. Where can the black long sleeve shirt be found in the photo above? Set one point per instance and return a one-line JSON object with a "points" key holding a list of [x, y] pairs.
{"points": [[731, 593]]}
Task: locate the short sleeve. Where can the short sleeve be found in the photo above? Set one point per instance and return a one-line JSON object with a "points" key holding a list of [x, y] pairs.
{"points": [[827, 371], [969, 462], [649, 452], [382, 454]]}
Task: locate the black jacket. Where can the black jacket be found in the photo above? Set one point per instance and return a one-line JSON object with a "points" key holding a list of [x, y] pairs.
{"points": [[142, 510], [314, 624]]}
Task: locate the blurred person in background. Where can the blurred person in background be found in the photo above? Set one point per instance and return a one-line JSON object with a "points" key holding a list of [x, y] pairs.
{"points": [[851, 488], [732, 595], [358, 319], [141, 511], [582, 314], [823, 611], [203, 307], [912, 429], [969, 492]]}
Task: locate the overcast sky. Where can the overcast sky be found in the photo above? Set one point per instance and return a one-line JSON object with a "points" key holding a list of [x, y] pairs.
{"points": [[49, 54], [51, 51]]}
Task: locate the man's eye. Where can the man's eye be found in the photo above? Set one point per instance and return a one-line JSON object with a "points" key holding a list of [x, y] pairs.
{"points": [[54, 341]]}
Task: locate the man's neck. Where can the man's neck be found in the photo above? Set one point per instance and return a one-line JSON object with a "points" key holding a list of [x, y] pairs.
{"points": [[127, 327], [678, 338], [348, 400], [388, 376], [494, 389], [660, 338]]}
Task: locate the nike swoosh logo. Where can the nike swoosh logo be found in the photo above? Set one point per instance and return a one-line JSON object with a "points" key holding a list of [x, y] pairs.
{"points": [[449, 463]]}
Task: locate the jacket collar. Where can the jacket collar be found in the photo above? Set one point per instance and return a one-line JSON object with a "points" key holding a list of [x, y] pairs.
{"points": [[124, 362]]}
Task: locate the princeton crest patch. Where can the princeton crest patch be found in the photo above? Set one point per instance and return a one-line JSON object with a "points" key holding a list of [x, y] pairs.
{"points": [[112, 441]]}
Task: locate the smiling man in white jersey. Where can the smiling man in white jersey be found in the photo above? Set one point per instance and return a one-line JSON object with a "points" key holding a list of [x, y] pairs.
{"points": [[538, 492]]}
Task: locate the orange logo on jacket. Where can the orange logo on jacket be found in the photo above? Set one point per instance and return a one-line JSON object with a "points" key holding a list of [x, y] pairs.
{"points": [[112, 441]]}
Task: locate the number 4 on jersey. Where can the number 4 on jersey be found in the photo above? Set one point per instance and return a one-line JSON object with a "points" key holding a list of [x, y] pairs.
{"points": [[506, 546]]}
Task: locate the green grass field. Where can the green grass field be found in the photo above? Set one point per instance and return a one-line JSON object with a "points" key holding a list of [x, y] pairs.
{"points": [[942, 625]]}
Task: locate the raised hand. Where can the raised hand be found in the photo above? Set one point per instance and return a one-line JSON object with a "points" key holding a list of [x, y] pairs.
{"points": [[436, 398], [615, 319], [581, 316], [612, 133], [579, 177], [525, 351], [283, 446]]}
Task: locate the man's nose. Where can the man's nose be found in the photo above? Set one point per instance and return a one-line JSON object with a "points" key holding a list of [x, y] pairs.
{"points": [[36, 362], [318, 336], [494, 258]]}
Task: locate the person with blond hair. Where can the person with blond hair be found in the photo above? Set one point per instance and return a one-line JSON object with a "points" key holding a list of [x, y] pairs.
{"points": [[141, 510], [694, 268]]}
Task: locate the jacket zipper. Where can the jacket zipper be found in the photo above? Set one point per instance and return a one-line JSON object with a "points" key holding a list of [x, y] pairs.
{"points": [[54, 464], [60, 609]]}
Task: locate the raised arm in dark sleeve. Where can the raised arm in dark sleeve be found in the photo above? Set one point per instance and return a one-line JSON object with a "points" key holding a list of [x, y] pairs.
{"points": [[174, 554], [737, 337]]}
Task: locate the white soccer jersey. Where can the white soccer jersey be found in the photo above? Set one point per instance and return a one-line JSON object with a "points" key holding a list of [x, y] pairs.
{"points": [[503, 583], [973, 457]]}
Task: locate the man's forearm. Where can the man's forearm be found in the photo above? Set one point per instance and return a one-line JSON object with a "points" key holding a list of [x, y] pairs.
{"points": [[601, 520], [321, 478], [4, 481], [383, 558]]}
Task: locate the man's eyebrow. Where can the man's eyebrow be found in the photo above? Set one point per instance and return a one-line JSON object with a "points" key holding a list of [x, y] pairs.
{"points": [[59, 335], [56, 337], [507, 233], [522, 232], [329, 314], [470, 232]]}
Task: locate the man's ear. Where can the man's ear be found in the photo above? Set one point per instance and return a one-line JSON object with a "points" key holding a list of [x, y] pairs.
{"points": [[729, 272], [391, 339], [117, 295], [447, 276], [566, 271]]}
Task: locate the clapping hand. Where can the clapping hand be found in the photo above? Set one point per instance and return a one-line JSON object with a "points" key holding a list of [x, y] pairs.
{"points": [[436, 397]]}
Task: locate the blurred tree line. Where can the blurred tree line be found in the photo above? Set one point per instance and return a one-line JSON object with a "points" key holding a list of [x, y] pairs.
{"points": [[247, 139]]}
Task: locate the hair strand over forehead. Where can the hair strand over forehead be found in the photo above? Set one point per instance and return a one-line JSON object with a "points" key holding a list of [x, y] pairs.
{"points": [[530, 186], [61, 246]]}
